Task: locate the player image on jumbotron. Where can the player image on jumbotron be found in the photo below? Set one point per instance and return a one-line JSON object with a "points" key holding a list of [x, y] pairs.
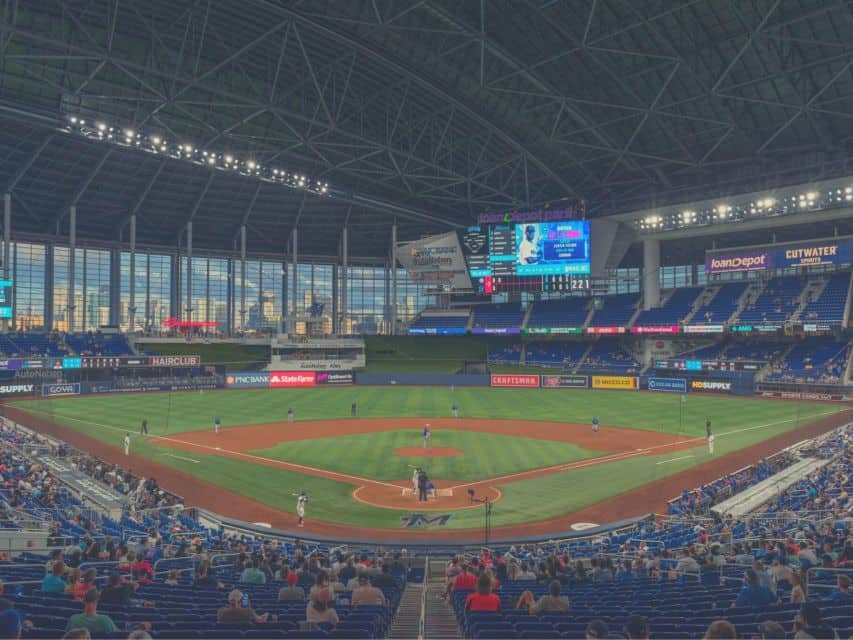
{"points": [[529, 251]]}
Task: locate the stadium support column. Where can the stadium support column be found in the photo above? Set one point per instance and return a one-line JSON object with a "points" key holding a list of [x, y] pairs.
{"points": [[72, 249], [342, 323], [393, 314], [131, 308], [294, 239], [189, 291], [651, 273], [242, 277], [7, 247]]}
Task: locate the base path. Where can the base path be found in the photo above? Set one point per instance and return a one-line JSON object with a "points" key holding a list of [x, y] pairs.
{"points": [[648, 498]]}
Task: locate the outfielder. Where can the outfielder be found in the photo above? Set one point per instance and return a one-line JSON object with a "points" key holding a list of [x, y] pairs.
{"points": [[290, 414], [127, 444], [594, 424], [216, 424], [708, 428], [143, 428], [427, 436], [455, 410], [300, 507]]}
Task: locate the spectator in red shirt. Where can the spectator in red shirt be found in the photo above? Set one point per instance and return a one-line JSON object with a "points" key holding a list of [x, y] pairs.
{"points": [[483, 599], [142, 571], [465, 581], [87, 581]]}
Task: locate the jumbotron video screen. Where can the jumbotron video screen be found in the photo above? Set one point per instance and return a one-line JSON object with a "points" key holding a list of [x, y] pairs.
{"points": [[529, 256]]}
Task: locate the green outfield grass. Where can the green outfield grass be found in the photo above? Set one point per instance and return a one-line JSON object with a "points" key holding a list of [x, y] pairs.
{"points": [[371, 455], [738, 422]]}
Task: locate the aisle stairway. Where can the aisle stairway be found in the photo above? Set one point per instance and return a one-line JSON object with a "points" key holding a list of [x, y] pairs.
{"points": [[407, 621], [439, 619]]}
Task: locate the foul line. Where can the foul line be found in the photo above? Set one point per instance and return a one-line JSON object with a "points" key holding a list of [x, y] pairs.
{"points": [[273, 462], [614, 457], [675, 459], [172, 455]]}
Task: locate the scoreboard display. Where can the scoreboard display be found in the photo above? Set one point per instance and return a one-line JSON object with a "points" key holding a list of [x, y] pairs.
{"points": [[529, 256], [708, 365], [98, 362]]}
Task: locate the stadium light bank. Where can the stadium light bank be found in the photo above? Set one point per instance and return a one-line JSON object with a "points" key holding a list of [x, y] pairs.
{"points": [[829, 198], [130, 138]]}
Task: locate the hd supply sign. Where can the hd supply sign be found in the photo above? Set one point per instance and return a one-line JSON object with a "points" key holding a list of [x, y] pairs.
{"points": [[614, 382], [16, 389], [258, 379], [282, 379], [499, 380], [717, 386]]}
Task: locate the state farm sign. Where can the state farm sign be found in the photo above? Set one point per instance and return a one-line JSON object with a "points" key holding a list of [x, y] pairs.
{"points": [[280, 379]]}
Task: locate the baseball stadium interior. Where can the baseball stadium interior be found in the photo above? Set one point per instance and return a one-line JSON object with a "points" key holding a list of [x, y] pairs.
{"points": [[426, 319]]}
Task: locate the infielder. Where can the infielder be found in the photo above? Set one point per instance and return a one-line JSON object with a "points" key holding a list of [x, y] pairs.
{"points": [[127, 444], [427, 436], [711, 444], [594, 425], [216, 424], [300, 508]]}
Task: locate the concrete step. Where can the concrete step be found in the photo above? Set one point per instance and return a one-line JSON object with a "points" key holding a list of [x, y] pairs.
{"points": [[406, 623]]}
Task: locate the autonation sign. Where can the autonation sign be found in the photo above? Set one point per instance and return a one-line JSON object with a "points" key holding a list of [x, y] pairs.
{"points": [[675, 385]]}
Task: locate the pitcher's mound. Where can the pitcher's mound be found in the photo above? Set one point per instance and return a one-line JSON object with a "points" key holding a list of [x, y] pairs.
{"points": [[427, 452]]}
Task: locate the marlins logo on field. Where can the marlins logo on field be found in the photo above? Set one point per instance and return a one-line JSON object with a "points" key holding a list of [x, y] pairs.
{"points": [[417, 520]]}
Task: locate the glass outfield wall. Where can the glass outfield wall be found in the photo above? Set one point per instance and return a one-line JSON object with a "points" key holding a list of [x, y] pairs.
{"points": [[220, 294]]}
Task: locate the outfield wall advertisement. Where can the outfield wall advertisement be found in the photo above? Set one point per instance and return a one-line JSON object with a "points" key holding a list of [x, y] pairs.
{"points": [[285, 379], [565, 382], [614, 382], [808, 395], [716, 386], [255, 379], [513, 380], [673, 385], [61, 389]]}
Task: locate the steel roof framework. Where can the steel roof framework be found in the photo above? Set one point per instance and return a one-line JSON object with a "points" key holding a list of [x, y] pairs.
{"points": [[423, 111]]}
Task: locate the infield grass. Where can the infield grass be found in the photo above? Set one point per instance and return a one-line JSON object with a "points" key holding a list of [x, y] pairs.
{"points": [[371, 455]]}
